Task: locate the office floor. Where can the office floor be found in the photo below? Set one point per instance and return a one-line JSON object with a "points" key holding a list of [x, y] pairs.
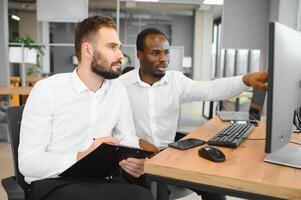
{"points": [[190, 119], [195, 197], [6, 165]]}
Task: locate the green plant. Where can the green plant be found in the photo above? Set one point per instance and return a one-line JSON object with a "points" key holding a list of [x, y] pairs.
{"points": [[127, 59], [29, 42]]}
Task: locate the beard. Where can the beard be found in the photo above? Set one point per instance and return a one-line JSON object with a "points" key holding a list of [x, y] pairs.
{"points": [[101, 66], [159, 75], [151, 70]]}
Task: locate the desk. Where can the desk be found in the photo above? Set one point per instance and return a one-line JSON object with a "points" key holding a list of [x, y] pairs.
{"points": [[243, 174], [15, 90], [31, 80]]}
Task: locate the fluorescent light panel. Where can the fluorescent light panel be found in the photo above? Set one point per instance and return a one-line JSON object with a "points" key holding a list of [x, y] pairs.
{"points": [[146, 0], [15, 17], [213, 2]]}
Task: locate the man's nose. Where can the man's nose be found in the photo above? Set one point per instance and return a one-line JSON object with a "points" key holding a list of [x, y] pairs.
{"points": [[164, 57], [120, 54]]}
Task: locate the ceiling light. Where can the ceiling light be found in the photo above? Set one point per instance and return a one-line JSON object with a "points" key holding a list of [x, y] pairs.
{"points": [[147, 0], [213, 2], [130, 4], [141, 16], [139, 24], [15, 17]]}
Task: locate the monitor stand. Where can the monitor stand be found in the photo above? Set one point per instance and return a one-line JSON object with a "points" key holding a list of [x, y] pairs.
{"points": [[288, 156]]}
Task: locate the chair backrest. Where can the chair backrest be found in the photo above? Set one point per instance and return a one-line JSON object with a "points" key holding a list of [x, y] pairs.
{"points": [[14, 117]]}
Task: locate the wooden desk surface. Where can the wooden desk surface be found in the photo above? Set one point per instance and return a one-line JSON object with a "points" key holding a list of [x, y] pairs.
{"points": [[15, 90], [33, 79], [244, 168]]}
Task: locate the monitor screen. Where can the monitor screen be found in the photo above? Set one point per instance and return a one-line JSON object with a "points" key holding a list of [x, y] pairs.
{"points": [[257, 103], [284, 88]]}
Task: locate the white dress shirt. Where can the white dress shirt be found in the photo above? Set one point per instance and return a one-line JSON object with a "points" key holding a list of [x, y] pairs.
{"points": [[61, 118], [156, 108]]}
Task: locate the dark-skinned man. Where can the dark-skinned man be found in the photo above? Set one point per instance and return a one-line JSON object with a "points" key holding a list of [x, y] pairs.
{"points": [[156, 95]]}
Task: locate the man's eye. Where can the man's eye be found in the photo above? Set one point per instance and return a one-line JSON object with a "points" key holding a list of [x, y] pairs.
{"points": [[155, 53], [113, 47]]}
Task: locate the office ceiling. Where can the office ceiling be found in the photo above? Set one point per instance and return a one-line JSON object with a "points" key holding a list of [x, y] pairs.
{"points": [[179, 7], [164, 4], [168, 5], [22, 1]]}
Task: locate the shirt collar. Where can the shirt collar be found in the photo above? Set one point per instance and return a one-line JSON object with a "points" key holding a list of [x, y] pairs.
{"points": [[80, 86], [77, 83], [137, 79]]}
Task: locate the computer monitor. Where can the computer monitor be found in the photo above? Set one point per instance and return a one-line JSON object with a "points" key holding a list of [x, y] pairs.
{"points": [[284, 94]]}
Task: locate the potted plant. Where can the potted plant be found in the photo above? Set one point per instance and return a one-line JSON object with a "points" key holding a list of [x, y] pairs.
{"points": [[127, 60], [32, 53]]}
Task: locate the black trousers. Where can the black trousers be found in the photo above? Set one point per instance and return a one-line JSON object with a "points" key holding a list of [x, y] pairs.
{"points": [[87, 189], [210, 195]]}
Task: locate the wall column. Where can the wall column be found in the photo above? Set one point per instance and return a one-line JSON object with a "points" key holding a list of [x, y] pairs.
{"points": [[44, 39], [203, 25], [4, 64]]}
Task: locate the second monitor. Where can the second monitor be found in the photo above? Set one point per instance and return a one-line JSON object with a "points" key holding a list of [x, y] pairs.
{"points": [[284, 94]]}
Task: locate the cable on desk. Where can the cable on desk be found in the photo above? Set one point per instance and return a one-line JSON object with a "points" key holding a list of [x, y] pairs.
{"points": [[254, 138], [295, 143], [265, 139], [297, 120]]}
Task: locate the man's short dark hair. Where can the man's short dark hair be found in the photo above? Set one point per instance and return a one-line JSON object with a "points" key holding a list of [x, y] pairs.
{"points": [[142, 35], [87, 29]]}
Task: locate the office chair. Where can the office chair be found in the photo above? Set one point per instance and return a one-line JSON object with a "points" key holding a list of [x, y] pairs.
{"points": [[3, 121], [15, 186], [297, 120]]}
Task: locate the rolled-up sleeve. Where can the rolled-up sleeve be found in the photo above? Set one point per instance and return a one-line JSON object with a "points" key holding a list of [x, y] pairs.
{"points": [[35, 162]]}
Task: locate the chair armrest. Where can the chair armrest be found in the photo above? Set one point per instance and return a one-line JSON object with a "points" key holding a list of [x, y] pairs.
{"points": [[13, 189]]}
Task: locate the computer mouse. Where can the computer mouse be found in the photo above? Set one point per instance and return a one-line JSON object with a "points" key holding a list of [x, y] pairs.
{"points": [[212, 153]]}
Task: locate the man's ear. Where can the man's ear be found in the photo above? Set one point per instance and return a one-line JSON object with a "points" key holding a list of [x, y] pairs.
{"points": [[139, 54], [87, 50]]}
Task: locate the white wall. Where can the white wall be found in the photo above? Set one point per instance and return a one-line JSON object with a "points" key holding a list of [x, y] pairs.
{"points": [[245, 24], [288, 12], [207, 67], [182, 33], [203, 25], [299, 17], [4, 67], [28, 24], [274, 10], [62, 10]]}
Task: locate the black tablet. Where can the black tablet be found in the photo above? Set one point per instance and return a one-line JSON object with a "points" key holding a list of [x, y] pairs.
{"points": [[187, 143]]}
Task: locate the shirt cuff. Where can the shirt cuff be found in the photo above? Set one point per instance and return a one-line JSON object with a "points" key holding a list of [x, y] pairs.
{"points": [[243, 85], [67, 160]]}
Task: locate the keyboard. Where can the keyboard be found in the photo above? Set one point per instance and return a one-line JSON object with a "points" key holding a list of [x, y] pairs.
{"points": [[232, 135]]}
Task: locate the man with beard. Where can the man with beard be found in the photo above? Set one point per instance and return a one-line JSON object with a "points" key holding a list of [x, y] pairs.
{"points": [[156, 95], [69, 115]]}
